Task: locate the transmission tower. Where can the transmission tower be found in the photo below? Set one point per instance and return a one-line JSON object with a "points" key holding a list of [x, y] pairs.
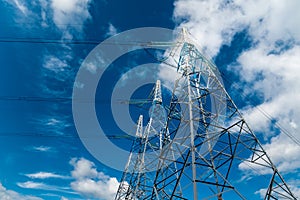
{"points": [[206, 141], [211, 140], [137, 179], [128, 182]]}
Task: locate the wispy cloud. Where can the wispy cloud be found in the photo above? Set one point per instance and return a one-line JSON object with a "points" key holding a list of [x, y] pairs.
{"points": [[54, 124], [67, 15], [57, 70], [112, 30], [55, 64], [42, 149], [21, 6], [33, 185], [44, 186], [90, 183], [6, 194], [46, 175]]}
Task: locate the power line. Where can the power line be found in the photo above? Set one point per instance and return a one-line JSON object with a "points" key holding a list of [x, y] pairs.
{"points": [[264, 113], [47, 135], [75, 42], [70, 100], [133, 43], [35, 98], [242, 93]]}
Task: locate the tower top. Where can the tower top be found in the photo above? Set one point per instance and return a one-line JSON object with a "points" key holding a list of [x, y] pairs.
{"points": [[139, 128], [157, 93], [184, 33]]}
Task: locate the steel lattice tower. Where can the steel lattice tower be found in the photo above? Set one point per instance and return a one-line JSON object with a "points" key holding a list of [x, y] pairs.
{"points": [[128, 184], [137, 179], [208, 139]]}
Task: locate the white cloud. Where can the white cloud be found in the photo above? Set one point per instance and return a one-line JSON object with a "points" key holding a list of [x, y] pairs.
{"points": [[283, 153], [214, 22], [271, 20], [72, 13], [90, 183], [92, 67], [293, 186], [102, 189], [21, 6], [168, 75], [33, 185], [111, 30], [55, 64], [6, 194], [51, 124], [43, 186], [44, 175], [65, 14], [270, 67], [30, 13], [280, 85], [44, 7], [42, 148], [83, 169]]}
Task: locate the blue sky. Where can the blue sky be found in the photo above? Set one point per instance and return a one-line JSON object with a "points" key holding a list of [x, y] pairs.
{"points": [[256, 45]]}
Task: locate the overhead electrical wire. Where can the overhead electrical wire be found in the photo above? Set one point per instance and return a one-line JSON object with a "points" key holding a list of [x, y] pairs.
{"points": [[70, 100], [133, 43], [46, 41], [73, 42], [49, 135], [35, 98], [262, 111], [265, 114]]}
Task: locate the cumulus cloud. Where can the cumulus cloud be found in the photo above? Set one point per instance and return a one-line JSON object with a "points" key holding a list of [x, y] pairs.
{"points": [[270, 67], [215, 22], [6, 194], [278, 71], [85, 181], [71, 13], [90, 183], [212, 22]]}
